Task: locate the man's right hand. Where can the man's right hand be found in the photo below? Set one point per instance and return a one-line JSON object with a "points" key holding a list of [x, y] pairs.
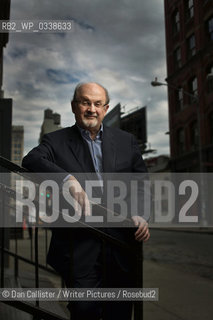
{"points": [[78, 193]]}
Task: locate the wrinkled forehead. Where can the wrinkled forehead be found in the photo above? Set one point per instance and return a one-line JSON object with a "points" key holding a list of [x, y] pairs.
{"points": [[92, 92]]}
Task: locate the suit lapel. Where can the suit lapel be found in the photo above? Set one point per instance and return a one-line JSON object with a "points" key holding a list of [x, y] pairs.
{"points": [[82, 154], [80, 151], [109, 151]]}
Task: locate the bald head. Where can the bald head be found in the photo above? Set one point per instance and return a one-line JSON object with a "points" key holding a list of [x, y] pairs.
{"points": [[91, 86], [90, 104]]}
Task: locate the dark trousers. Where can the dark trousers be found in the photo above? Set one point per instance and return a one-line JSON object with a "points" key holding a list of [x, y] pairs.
{"points": [[115, 277]]}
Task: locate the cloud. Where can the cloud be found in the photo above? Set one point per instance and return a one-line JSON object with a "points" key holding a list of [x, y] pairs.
{"points": [[60, 77], [119, 44]]}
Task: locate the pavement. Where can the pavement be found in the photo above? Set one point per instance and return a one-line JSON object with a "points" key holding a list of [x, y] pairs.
{"points": [[179, 263], [182, 294]]}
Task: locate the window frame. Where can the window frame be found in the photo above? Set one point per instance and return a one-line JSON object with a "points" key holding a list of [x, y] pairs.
{"points": [[191, 46], [176, 21], [209, 29], [177, 58], [192, 88], [189, 9], [181, 143], [194, 136]]}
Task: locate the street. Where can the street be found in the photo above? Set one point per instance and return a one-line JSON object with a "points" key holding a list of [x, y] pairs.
{"points": [[186, 251], [180, 265]]}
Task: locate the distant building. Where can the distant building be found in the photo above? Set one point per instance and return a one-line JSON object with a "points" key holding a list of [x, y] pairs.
{"points": [[17, 144], [5, 104], [189, 49], [5, 117], [113, 117], [4, 37], [51, 122], [17, 152], [133, 122]]}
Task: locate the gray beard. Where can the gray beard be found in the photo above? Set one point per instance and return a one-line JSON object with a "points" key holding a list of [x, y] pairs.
{"points": [[90, 124]]}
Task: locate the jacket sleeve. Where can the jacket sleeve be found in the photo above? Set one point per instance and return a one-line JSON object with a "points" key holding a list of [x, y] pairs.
{"points": [[41, 159]]}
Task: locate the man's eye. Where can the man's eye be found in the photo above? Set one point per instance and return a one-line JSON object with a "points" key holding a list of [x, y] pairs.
{"points": [[98, 104], [85, 103]]}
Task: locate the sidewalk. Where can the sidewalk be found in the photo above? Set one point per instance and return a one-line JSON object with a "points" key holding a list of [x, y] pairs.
{"points": [[27, 273], [181, 295], [186, 229]]}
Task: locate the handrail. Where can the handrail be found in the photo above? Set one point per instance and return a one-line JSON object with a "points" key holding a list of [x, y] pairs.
{"points": [[101, 234], [23, 172], [7, 164], [12, 254], [40, 313]]}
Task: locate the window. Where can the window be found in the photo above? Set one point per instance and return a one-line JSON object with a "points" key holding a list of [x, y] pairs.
{"points": [[193, 89], [180, 141], [177, 58], [176, 22], [179, 99], [209, 75], [191, 49], [189, 9], [210, 28], [194, 136]]}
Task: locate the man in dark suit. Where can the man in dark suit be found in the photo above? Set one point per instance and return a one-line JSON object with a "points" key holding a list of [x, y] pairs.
{"points": [[88, 146]]}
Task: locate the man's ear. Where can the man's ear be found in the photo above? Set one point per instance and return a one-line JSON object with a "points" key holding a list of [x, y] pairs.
{"points": [[106, 108], [73, 106]]}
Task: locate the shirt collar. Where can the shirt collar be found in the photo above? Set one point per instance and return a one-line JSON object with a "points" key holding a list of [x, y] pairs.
{"points": [[86, 134]]}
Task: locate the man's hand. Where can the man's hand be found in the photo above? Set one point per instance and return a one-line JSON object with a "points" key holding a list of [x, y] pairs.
{"points": [[142, 234], [79, 195]]}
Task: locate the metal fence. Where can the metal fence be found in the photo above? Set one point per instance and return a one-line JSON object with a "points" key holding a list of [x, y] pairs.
{"points": [[36, 310]]}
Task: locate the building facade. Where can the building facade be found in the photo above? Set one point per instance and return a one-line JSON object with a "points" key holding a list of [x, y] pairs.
{"points": [[5, 104], [189, 49], [133, 122], [17, 144], [51, 122], [17, 152]]}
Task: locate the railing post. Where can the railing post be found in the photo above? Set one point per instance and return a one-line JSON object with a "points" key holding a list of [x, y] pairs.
{"points": [[2, 236], [104, 270], [71, 268], [31, 246], [16, 269], [36, 258], [46, 245], [36, 268], [138, 306]]}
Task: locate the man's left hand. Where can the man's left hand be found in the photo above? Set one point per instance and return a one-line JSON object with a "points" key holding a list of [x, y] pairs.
{"points": [[142, 233]]}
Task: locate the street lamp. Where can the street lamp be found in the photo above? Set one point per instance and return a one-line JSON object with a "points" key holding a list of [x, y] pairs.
{"points": [[156, 83]]}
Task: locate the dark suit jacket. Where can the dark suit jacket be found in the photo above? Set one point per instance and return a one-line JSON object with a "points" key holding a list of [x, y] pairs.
{"points": [[64, 151]]}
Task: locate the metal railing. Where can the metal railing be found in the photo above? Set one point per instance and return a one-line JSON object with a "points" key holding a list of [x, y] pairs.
{"points": [[36, 310]]}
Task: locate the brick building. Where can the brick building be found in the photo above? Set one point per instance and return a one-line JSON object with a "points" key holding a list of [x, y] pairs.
{"points": [[189, 48]]}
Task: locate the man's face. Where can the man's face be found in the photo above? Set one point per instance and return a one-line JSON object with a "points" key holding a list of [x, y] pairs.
{"points": [[89, 108]]}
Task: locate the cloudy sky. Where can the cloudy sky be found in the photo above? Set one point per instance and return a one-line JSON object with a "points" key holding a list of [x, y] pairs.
{"points": [[120, 44]]}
